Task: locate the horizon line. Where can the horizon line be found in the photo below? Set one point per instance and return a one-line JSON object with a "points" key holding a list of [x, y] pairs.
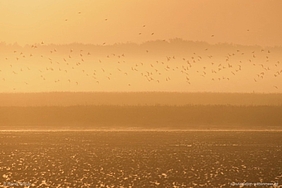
{"points": [[140, 130], [139, 43], [139, 92]]}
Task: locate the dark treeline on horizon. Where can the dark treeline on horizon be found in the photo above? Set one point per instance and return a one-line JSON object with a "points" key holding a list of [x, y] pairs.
{"points": [[177, 45], [170, 117]]}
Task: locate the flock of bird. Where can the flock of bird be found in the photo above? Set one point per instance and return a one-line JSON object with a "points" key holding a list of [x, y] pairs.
{"points": [[78, 66], [70, 66]]}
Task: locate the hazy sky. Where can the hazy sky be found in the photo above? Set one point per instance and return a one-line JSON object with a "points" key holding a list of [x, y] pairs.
{"points": [[156, 66], [250, 22]]}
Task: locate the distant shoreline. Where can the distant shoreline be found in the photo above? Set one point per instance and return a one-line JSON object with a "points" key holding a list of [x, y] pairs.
{"points": [[138, 99], [191, 117], [145, 130]]}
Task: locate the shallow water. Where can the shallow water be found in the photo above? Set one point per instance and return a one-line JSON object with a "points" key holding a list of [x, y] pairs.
{"points": [[140, 158]]}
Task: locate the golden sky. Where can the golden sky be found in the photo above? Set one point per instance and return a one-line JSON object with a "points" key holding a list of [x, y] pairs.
{"points": [[247, 22], [173, 61]]}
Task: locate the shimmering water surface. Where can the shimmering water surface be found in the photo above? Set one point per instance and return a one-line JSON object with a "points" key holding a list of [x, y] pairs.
{"points": [[140, 158]]}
